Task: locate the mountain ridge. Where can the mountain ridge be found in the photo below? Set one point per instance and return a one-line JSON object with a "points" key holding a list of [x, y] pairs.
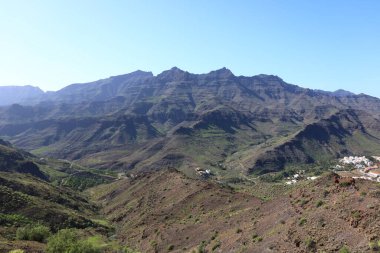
{"points": [[107, 84], [139, 121]]}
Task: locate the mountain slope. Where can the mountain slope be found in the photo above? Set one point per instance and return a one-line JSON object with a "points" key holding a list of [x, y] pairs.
{"points": [[28, 198], [155, 214], [216, 120], [345, 133]]}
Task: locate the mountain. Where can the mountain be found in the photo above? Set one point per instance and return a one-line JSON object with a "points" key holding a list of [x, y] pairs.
{"points": [[345, 133], [19, 94], [229, 124]]}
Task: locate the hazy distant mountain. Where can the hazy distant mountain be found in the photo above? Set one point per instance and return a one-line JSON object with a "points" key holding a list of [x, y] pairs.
{"points": [[18, 94], [217, 120], [343, 93], [337, 93]]}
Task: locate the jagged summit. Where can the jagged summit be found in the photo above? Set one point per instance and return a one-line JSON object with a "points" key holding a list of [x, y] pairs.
{"points": [[174, 73], [221, 73]]}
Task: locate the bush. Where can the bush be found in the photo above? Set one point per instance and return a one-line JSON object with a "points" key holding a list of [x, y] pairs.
{"points": [[319, 203], [344, 249], [38, 233], [66, 240], [202, 247], [13, 220], [256, 238], [374, 245], [310, 244], [302, 222]]}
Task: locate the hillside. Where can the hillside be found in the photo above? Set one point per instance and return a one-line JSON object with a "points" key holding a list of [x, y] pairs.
{"points": [[229, 124], [166, 211], [345, 133], [28, 197]]}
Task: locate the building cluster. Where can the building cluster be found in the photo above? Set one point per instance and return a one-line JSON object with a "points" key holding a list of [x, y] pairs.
{"points": [[373, 173], [203, 172], [300, 175], [367, 169], [359, 162]]}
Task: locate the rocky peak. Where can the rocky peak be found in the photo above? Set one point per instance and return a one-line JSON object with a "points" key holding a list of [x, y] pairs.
{"points": [[221, 73], [173, 74]]}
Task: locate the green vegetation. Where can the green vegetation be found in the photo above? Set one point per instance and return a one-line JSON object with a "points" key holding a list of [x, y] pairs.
{"points": [[216, 246], [38, 233], [345, 184], [67, 240], [154, 245], [13, 220], [302, 222], [319, 203], [344, 249], [374, 245], [202, 247], [256, 238], [310, 244]]}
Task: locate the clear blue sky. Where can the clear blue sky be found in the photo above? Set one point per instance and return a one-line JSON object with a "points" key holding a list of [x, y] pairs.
{"points": [[324, 44]]}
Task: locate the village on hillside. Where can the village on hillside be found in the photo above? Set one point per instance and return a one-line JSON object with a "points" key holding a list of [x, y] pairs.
{"points": [[367, 168]]}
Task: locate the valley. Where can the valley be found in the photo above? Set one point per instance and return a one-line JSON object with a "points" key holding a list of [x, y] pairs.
{"points": [[183, 162]]}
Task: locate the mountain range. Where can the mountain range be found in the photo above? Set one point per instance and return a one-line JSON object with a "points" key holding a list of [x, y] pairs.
{"points": [[232, 125], [181, 162]]}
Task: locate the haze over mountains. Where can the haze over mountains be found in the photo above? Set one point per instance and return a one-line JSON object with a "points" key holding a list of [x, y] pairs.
{"points": [[229, 124]]}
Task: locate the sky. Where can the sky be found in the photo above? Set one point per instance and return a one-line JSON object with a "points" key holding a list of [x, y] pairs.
{"points": [[320, 44]]}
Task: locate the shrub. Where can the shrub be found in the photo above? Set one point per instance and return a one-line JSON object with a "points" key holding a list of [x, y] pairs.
{"points": [[202, 247], [302, 222], [355, 214], [66, 240], [13, 220], [304, 202], [344, 184], [319, 203], [154, 245], [38, 233], [310, 244], [344, 249], [374, 246], [256, 238], [216, 245]]}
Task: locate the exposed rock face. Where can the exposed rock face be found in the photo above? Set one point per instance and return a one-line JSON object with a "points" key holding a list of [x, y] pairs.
{"points": [[256, 124]]}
